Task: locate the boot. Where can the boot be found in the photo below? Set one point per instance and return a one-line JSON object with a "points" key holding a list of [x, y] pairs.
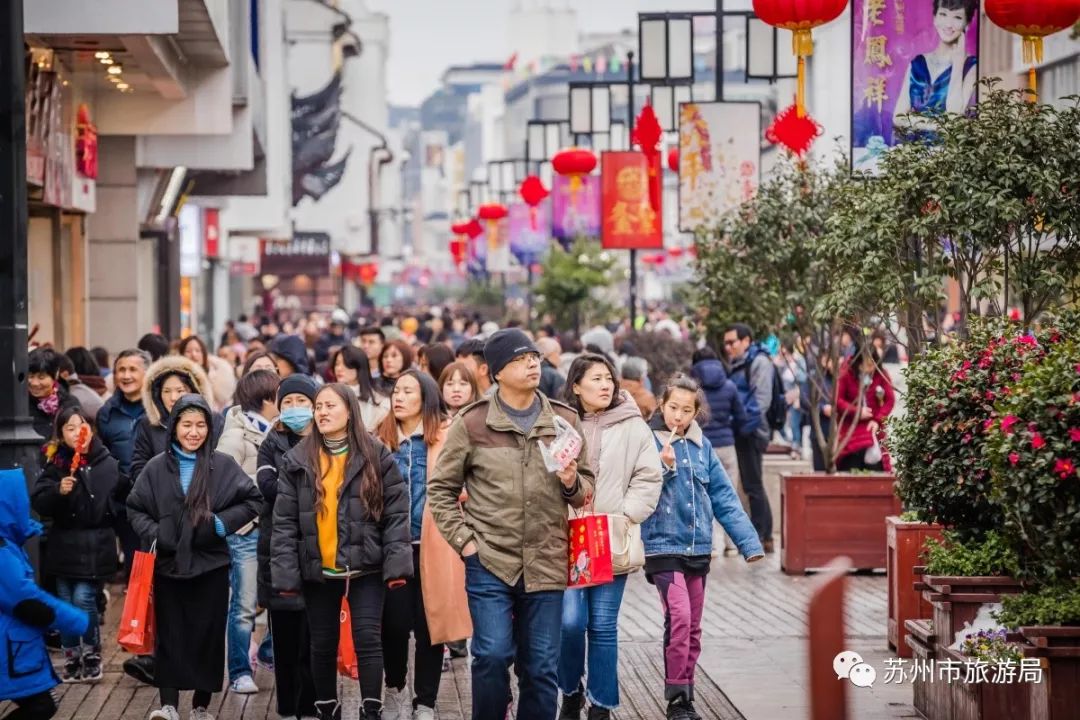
{"points": [[372, 710], [140, 667], [328, 710], [73, 667], [572, 706], [599, 713], [679, 709]]}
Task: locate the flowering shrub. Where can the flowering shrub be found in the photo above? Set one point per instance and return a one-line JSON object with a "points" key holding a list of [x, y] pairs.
{"points": [[938, 447], [1034, 451], [991, 646]]}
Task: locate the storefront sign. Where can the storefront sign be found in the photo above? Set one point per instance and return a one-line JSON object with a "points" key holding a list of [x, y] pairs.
{"points": [[630, 220], [308, 253]]}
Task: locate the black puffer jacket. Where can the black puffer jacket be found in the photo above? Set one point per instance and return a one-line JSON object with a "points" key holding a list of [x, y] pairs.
{"points": [[365, 545], [271, 457], [82, 542], [157, 510]]}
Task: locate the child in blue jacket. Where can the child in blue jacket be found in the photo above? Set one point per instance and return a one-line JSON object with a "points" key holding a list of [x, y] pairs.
{"points": [[678, 535], [26, 611]]}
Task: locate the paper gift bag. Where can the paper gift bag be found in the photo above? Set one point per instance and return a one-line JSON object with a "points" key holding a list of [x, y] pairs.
{"points": [[346, 650], [590, 552], [136, 633]]}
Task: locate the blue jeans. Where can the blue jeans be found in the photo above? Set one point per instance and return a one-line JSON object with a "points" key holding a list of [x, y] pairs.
{"points": [[503, 617], [594, 613], [243, 577], [83, 595], [794, 423]]}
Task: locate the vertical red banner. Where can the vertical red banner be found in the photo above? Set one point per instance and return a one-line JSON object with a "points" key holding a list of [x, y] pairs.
{"points": [[630, 221], [212, 232]]}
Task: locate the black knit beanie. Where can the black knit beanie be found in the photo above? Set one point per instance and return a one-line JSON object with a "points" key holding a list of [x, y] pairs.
{"points": [[505, 345], [302, 384]]}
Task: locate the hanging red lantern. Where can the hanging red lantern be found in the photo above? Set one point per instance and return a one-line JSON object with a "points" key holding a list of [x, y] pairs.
{"points": [[492, 213], [574, 163], [1033, 21], [459, 247], [675, 251], [533, 192], [800, 17], [673, 159], [460, 228], [367, 273]]}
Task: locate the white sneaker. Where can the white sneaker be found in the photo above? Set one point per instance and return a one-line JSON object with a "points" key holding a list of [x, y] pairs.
{"points": [[244, 685], [397, 705], [200, 714], [167, 712], [423, 712]]}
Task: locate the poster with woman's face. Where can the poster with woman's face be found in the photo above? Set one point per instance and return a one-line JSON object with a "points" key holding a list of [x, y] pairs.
{"points": [[910, 58]]}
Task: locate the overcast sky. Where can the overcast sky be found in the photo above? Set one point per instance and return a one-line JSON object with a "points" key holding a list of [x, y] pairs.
{"points": [[426, 36]]}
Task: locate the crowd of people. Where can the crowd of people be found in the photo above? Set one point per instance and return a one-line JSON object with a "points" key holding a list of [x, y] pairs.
{"points": [[397, 469]]}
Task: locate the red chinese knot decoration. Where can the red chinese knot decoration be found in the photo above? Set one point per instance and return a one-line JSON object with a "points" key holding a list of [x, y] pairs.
{"points": [[1033, 21], [796, 133], [800, 17], [646, 135], [533, 192]]}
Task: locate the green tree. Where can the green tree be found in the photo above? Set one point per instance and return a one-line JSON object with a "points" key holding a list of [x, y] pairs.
{"points": [[572, 284]]}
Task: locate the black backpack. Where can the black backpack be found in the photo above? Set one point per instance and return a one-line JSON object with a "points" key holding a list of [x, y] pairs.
{"points": [[776, 413]]}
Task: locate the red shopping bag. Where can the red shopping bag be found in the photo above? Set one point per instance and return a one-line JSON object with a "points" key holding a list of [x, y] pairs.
{"points": [[590, 552], [346, 651], [136, 633]]}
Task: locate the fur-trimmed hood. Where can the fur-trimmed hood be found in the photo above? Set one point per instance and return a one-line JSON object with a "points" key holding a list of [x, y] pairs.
{"points": [[156, 375]]}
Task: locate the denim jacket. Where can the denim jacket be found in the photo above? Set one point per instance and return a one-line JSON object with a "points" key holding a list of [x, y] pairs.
{"points": [[695, 493], [411, 457]]}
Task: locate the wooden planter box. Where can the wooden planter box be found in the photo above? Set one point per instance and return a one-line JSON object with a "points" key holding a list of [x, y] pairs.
{"points": [[1057, 697], [956, 600], [932, 700], [904, 547], [827, 516], [986, 701]]}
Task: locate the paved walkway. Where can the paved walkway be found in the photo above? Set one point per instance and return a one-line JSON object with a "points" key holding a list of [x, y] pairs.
{"points": [[753, 662]]}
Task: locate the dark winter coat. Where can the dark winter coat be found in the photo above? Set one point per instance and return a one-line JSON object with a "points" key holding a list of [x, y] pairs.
{"points": [[82, 542], [726, 412], [271, 458], [291, 348], [551, 380], [43, 422], [157, 510], [365, 545], [117, 424]]}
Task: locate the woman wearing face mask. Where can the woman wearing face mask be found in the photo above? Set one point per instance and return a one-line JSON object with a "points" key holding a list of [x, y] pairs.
{"points": [[396, 357], [678, 536], [864, 401], [220, 372], [341, 529], [627, 468], [350, 367], [415, 432], [458, 386], [288, 620], [48, 393], [186, 502], [167, 380]]}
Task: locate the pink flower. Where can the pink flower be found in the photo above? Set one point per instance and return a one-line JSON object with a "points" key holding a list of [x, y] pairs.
{"points": [[959, 376], [990, 395], [1027, 340], [988, 425], [1064, 468], [1014, 458], [1014, 314], [985, 361], [966, 439], [1074, 434], [1037, 442], [1007, 422]]}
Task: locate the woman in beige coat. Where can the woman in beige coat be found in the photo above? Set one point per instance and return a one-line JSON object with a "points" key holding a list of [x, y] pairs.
{"points": [[628, 484]]}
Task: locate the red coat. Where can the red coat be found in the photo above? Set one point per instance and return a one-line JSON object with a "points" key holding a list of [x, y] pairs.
{"points": [[847, 408]]}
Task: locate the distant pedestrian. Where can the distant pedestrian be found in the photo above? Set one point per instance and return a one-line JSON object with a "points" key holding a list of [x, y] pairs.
{"points": [[155, 344], [434, 358], [87, 397], [471, 352], [78, 496], [634, 380], [350, 367], [626, 464], [458, 387], [220, 372], [678, 536], [290, 354], [86, 367], [864, 401], [258, 360], [396, 358], [27, 612], [184, 505], [371, 341], [551, 380], [341, 529]]}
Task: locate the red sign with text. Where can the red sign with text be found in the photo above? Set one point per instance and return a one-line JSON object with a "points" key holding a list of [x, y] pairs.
{"points": [[212, 231], [630, 222]]}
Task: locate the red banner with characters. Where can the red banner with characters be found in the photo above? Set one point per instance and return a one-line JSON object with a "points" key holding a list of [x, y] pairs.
{"points": [[630, 221]]}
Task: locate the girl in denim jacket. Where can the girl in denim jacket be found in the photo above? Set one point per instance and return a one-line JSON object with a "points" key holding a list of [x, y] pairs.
{"points": [[678, 536]]}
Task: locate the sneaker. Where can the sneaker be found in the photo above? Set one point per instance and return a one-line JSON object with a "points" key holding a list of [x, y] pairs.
{"points": [[397, 705], [72, 671], [91, 663], [140, 667], [693, 712], [243, 685], [679, 710], [373, 710], [572, 706], [167, 712], [200, 714], [327, 710], [458, 649], [422, 712]]}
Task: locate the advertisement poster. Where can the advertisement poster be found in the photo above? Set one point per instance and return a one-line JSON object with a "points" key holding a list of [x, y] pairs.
{"points": [[908, 57], [630, 220], [719, 160], [530, 231], [575, 208]]}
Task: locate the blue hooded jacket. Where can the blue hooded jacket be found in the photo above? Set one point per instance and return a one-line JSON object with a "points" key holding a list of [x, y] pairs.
{"points": [[727, 415], [26, 611]]}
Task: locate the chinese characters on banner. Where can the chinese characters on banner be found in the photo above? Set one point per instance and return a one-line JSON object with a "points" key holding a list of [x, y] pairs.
{"points": [[630, 222], [907, 58], [575, 212], [719, 160], [529, 236]]}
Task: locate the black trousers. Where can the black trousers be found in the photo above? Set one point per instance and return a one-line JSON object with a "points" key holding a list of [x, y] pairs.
{"points": [[856, 461], [751, 452], [34, 707], [404, 615], [323, 604], [292, 663]]}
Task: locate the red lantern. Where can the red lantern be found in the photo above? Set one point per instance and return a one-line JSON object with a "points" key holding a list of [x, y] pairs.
{"points": [[459, 248], [800, 17], [460, 228], [492, 213], [533, 192], [673, 159], [574, 163], [1033, 21], [368, 272], [675, 251]]}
